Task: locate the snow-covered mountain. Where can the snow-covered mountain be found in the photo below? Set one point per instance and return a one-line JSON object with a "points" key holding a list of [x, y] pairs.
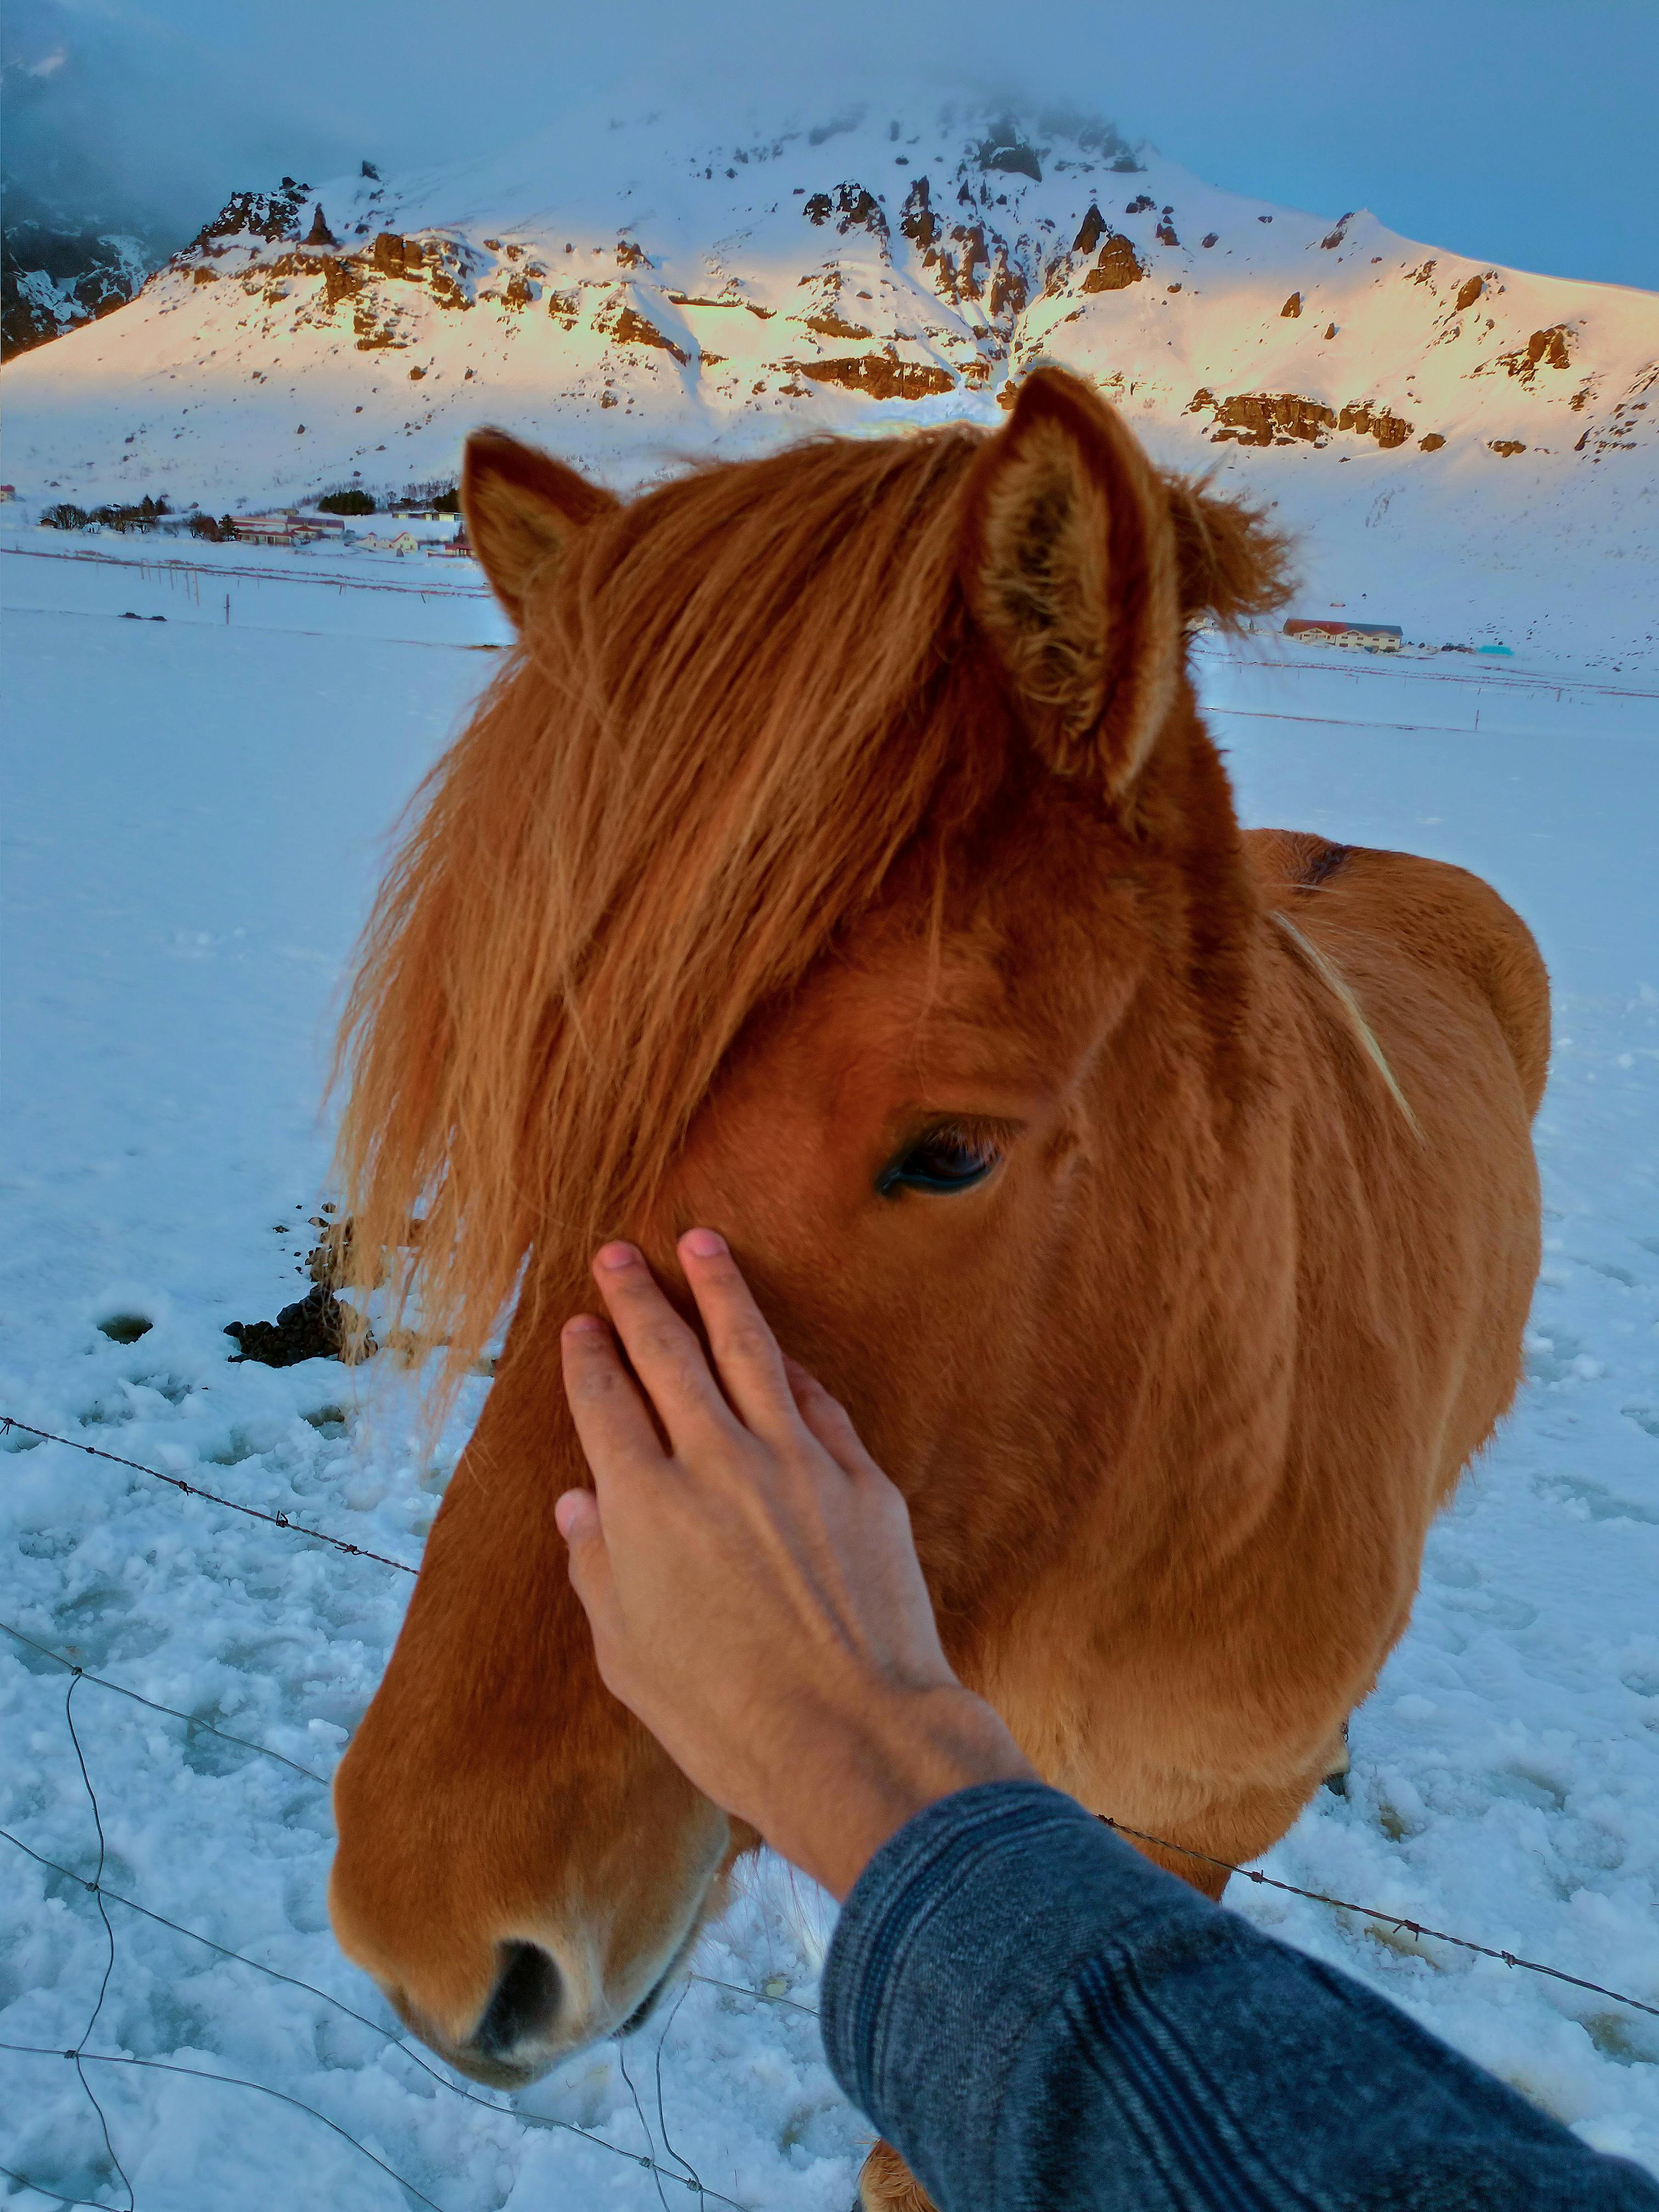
{"points": [[630, 294], [59, 268]]}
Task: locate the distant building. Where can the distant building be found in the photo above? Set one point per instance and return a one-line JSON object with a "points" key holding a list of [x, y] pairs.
{"points": [[405, 541], [1363, 637], [8, 491], [285, 529]]}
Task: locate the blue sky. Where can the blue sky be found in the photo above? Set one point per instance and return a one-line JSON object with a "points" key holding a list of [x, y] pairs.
{"points": [[1521, 132]]}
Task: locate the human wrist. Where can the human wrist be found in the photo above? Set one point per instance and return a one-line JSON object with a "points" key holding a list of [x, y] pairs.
{"points": [[903, 1750]]}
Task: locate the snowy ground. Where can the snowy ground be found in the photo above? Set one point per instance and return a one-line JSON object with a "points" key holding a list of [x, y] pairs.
{"points": [[192, 812]]}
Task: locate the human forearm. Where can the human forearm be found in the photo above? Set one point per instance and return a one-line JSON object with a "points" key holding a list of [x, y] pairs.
{"points": [[1036, 2016]]}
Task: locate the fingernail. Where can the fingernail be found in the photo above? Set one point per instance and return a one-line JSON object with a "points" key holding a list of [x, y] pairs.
{"points": [[584, 1325], [615, 1257], [703, 1243]]}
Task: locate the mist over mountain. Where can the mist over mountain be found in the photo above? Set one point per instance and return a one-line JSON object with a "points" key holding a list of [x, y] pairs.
{"points": [[117, 122], [99, 183]]}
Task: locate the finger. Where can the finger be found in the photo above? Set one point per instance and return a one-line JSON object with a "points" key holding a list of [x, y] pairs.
{"points": [[613, 1424], [826, 1418], [665, 1354], [577, 1517], [746, 1354], [577, 1514]]}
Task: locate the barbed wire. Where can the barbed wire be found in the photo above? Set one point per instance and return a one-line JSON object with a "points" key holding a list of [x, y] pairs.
{"points": [[240, 573], [80, 2056], [688, 2180], [109, 1935], [201, 2073], [1375, 1913], [389, 2036], [245, 1743], [9, 1421], [94, 2204]]}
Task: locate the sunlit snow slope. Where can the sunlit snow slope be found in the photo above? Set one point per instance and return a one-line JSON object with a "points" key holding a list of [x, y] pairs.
{"points": [[636, 292]]}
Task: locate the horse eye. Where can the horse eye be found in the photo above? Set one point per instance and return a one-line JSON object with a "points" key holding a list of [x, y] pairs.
{"points": [[944, 1160]]}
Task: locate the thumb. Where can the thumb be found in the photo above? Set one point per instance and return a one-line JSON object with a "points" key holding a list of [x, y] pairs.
{"points": [[577, 1517]]}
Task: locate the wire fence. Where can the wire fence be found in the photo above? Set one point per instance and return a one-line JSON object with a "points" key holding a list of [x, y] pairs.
{"points": [[103, 1897], [686, 2178], [242, 571]]}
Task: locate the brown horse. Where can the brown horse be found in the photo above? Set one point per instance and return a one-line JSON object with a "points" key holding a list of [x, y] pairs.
{"points": [[840, 861]]}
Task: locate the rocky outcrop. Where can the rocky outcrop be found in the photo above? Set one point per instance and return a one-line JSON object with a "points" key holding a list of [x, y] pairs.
{"points": [[879, 375], [1262, 418], [1091, 230], [1389, 430], [851, 207], [259, 215], [918, 222], [1005, 150], [1549, 349], [1282, 418], [834, 325], [632, 328], [393, 256], [1116, 266]]}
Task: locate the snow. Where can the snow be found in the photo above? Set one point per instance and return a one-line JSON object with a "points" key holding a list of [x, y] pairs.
{"points": [[196, 812], [245, 373]]}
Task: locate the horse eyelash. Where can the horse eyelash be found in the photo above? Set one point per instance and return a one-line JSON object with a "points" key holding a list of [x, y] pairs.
{"points": [[989, 1139]]}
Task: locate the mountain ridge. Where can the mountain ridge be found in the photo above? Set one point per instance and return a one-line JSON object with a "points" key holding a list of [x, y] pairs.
{"points": [[636, 293]]}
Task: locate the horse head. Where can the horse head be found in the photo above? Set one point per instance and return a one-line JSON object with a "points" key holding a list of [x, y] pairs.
{"points": [[839, 861]]}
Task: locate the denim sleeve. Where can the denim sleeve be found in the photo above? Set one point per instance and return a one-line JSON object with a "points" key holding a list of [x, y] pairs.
{"points": [[1038, 2019]]}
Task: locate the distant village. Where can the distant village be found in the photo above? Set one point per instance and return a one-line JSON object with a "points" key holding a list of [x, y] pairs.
{"points": [[348, 521], [427, 524]]}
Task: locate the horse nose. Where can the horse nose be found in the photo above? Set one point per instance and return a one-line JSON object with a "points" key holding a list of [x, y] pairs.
{"points": [[523, 2006]]}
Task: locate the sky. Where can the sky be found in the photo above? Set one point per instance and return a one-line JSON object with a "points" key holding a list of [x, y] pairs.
{"points": [[1518, 132]]}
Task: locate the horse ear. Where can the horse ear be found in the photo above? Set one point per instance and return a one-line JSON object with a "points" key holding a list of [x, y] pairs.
{"points": [[522, 509], [1070, 574], [1231, 562]]}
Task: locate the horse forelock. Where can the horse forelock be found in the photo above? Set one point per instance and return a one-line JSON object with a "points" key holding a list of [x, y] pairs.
{"points": [[719, 730]]}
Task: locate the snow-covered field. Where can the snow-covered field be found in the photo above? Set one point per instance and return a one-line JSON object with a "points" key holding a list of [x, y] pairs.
{"points": [[193, 813]]}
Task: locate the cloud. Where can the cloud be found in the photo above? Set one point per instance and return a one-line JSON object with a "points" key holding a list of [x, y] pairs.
{"points": [[122, 122], [1513, 132]]}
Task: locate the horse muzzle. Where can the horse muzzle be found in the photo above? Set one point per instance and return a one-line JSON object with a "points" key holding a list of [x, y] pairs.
{"points": [[538, 2013]]}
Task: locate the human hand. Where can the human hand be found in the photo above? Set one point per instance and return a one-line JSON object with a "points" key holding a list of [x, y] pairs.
{"points": [[753, 1590]]}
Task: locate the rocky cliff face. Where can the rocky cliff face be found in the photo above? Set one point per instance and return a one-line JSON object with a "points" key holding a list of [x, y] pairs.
{"points": [[56, 271], [644, 293]]}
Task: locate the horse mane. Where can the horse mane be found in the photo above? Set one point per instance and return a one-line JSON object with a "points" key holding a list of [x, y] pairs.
{"points": [[723, 723]]}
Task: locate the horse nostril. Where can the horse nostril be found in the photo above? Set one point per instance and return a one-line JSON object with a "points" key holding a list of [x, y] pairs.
{"points": [[526, 2001]]}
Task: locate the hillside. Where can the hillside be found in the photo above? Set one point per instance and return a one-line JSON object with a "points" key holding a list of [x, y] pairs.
{"points": [[1468, 450]]}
